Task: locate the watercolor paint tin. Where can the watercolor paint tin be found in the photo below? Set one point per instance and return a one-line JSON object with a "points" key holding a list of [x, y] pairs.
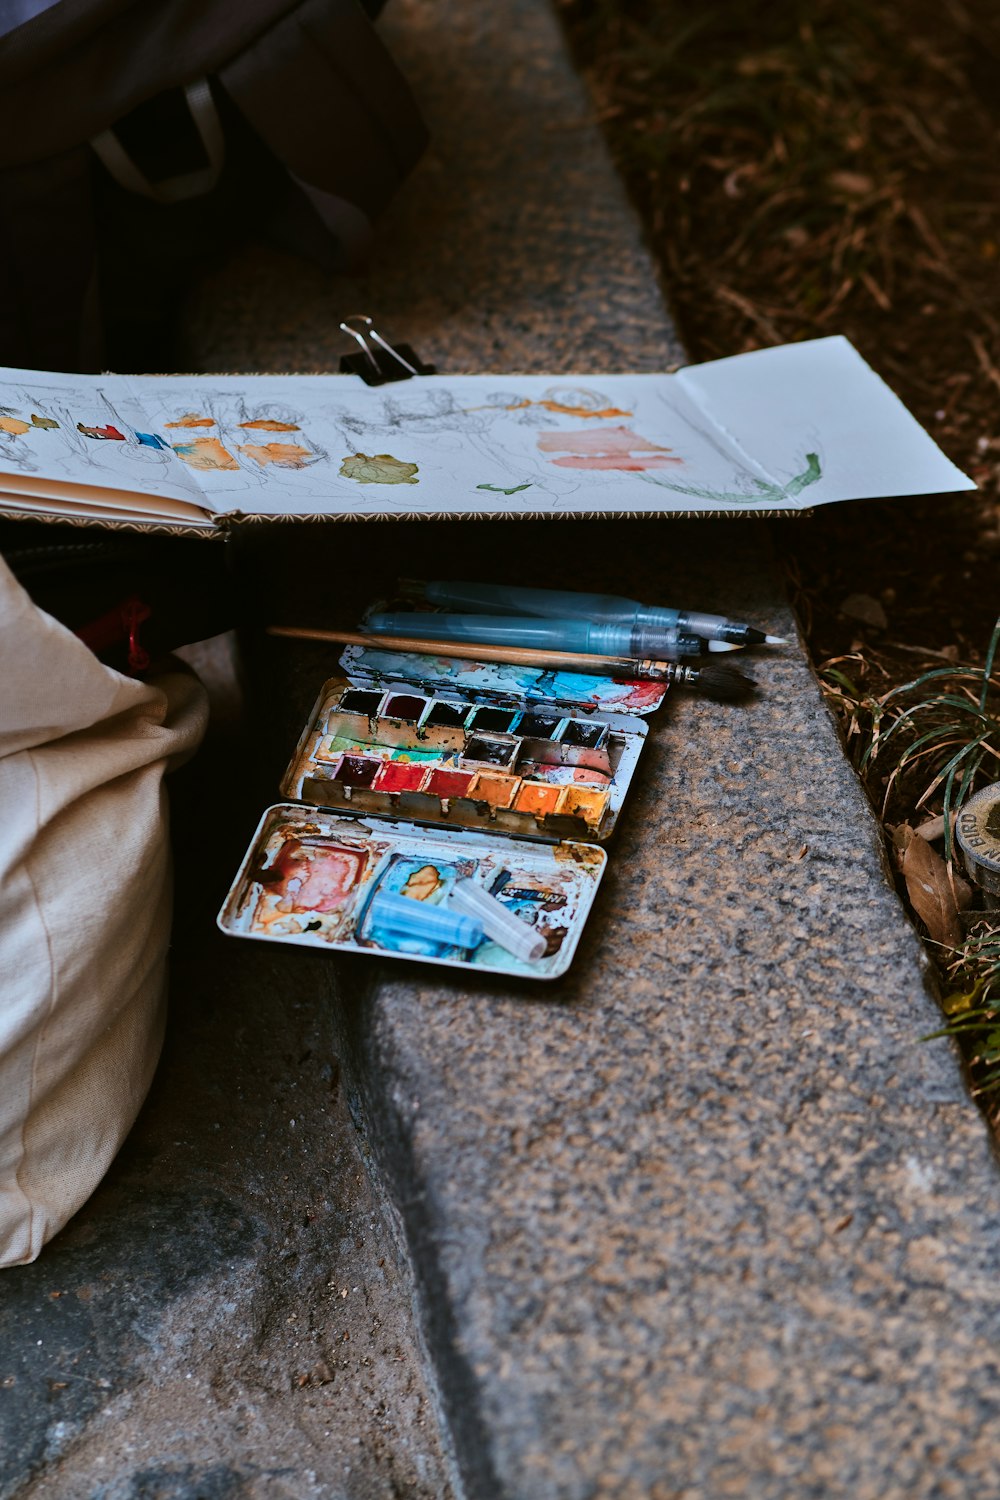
{"points": [[310, 874], [419, 770], [449, 761]]}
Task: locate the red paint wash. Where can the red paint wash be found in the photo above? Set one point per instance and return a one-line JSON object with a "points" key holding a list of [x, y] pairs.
{"points": [[606, 448], [317, 877]]}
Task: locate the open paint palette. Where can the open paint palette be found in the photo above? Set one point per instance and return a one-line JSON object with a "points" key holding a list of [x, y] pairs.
{"points": [[420, 772], [312, 877]]}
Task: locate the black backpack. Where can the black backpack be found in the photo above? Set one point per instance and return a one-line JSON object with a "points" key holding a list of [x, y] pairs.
{"points": [[138, 138]]}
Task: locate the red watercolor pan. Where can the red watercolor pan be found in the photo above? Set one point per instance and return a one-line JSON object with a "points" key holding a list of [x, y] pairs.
{"points": [[400, 776], [444, 783]]}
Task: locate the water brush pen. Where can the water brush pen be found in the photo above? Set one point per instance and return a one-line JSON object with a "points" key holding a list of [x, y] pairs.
{"points": [[715, 679], [603, 609], [539, 635]]}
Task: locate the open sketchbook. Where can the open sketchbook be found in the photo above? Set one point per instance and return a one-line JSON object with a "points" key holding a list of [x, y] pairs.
{"points": [[780, 429]]}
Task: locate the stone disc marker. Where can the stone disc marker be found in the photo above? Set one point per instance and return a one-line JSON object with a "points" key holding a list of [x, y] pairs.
{"points": [[978, 832]]}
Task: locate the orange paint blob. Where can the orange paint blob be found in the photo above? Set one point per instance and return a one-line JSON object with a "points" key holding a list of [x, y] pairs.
{"points": [[285, 455], [205, 453]]}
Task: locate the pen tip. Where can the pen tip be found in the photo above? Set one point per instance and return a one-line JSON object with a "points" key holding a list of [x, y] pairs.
{"points": [[775, 640], [722, 646]]}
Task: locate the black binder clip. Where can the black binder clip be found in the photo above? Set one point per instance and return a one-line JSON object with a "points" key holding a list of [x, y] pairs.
{"points": [[379, 362]]}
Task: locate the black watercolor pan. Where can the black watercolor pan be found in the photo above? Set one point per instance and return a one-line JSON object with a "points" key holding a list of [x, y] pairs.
{"points": [[539, 726], [492, 720], [579, 732], [360, 701], [486, 751], [446, 715]]}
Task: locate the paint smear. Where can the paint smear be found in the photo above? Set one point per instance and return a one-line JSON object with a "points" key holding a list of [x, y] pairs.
{"points": [[606, 448], [315, 877], [191, 419], [44, 422], [561, 408], [14, 425], [285, 455], [583, 411], [109, 434], [204, 453], [150, 440], [267, 424], [378, 468], [423, 883]]}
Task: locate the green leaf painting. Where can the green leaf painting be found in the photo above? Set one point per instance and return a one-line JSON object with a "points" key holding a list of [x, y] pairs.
{"points": [[776, 493], [378, 468]]}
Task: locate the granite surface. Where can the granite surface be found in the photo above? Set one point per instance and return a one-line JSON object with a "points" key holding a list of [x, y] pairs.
{"points": [[706, 1218]]}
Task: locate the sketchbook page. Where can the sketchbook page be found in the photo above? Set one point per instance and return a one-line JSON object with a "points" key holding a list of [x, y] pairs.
{"points": [[822, 423], [328, 445], [62, 431]]}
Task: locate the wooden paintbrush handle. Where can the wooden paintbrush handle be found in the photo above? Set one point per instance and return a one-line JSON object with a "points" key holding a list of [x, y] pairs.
{"points": [[515, 656]]}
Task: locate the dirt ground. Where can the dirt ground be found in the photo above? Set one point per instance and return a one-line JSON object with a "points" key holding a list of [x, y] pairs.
{"points": [[830, 166]]}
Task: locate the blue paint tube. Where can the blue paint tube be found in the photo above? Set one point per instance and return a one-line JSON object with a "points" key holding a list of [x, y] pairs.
{"points": [[416, 919]]}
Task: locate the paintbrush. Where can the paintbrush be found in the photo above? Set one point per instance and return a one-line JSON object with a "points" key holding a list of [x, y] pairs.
{"points": [[716, 680]]}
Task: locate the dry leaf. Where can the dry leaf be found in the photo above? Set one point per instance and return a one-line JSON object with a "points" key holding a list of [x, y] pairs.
{"points": [[865, 608], [854, 184], [929, 888]]}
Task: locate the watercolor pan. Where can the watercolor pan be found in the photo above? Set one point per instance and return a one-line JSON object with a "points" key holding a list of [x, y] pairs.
{"points": [[358, 701], [539, 798], [310, 874], [450, 715], [456, 762], [494, 787], [493, 720], [490, 750], [357, 770], [534, 725], [401, 776], [404, 706], [589, 736], [443, 782]]}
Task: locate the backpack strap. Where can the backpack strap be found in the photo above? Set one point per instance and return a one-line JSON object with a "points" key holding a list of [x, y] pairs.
{"points": [[129, 175], [324, 94]]}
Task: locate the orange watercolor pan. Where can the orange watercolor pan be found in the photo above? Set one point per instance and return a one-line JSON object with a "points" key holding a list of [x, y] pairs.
{"points": [[586, 802], [495, 788], [538, 797]]}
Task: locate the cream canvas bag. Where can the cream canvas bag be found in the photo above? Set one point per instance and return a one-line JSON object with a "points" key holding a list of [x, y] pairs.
{"points": [[84, 909]]}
